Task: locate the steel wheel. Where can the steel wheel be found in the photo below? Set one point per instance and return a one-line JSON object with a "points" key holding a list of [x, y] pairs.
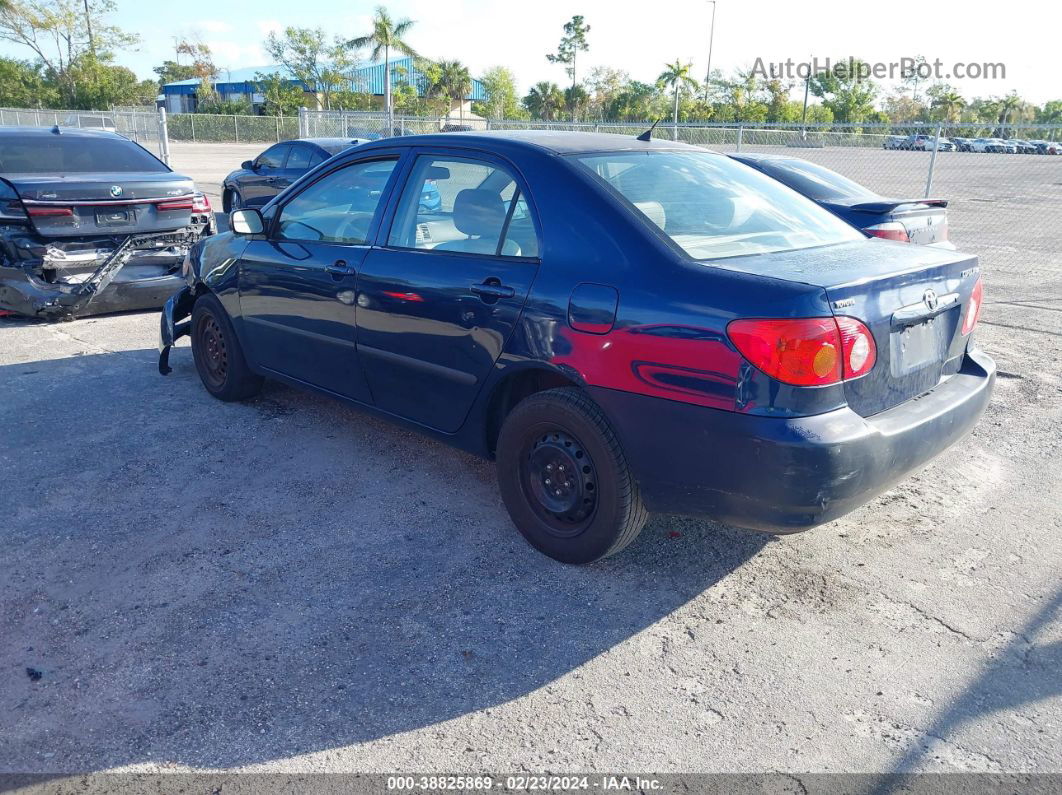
{"points": [[560, 482], [215, 353]]}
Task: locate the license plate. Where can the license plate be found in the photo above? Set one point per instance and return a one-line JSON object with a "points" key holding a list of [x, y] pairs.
{"points": [[114, 217], [914, 347]]}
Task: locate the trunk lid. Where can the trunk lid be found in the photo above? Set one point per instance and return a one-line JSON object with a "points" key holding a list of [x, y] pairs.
{"points": [[90, 204], [926, 220], [911, 298]]}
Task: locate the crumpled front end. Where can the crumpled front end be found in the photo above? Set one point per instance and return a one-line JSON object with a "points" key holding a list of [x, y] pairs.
{"points": [[67, 278]]}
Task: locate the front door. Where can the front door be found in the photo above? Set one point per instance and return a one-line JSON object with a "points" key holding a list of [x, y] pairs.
{"points": [[298, 282], [260, 186], [438, 300]]}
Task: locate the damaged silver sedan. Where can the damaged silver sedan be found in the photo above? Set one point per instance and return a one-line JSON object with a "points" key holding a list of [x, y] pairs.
{"points": [[91, 222]]}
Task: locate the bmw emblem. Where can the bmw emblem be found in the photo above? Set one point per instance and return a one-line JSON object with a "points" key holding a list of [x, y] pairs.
{"points": [[116, 191]]}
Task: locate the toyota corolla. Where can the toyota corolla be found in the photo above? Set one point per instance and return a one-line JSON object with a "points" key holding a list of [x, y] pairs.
{"points": [[626, 325]]}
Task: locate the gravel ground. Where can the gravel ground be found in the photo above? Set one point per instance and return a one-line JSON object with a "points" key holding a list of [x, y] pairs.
{"points": [[289, 584]]}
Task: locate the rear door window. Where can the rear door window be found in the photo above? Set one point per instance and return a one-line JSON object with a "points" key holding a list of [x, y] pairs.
{"points": [[299, 158], [463, 205]]}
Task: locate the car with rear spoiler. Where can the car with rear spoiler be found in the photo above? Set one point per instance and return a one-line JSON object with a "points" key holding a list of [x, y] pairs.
{"points": [[91, 222], [625, 325], [923, 221]]}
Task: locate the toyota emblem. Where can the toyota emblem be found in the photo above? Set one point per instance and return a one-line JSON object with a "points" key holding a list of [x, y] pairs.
{"points": [[929, 298]]}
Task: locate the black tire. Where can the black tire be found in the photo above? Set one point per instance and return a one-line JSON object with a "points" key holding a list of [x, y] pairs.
{"points": [[235, 201], [217, 353], [598, 511]]}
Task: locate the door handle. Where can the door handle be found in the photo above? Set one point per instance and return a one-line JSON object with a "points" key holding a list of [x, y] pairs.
{"points": [[492, 290], [338, 267]]}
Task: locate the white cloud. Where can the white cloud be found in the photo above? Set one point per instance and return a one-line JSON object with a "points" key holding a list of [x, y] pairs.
{"points": [[233, 54], [214, 25], [267, 26]]}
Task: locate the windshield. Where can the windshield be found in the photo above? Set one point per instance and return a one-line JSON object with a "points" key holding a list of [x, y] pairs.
{"points": [[814, 181], [55, 154], [714, 207]]}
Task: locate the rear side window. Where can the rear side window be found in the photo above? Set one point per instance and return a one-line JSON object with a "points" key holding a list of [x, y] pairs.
{"points": [[339, 207], [298, 158], [814, 181], [463, 205], [56, 154]]}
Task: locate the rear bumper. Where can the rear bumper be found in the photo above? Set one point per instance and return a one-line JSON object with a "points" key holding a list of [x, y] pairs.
{"points": [[787, 475], [177, 307], [21, 292]]}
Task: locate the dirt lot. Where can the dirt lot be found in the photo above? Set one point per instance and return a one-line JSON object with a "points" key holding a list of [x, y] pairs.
{"points": [[288, 584]]}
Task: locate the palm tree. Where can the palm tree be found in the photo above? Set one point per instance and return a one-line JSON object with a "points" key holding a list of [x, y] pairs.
{"points": [[576, 100], [543, 100], [950, 104], [386, 36], [455, 82], [677, 76], [1006, 105]]}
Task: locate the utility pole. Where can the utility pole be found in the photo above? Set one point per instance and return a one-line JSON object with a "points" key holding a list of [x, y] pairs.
{"points": [[804, 116], [711, 39]]}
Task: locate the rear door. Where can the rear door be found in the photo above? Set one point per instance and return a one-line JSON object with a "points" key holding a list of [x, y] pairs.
{"points": [[440, 297]]}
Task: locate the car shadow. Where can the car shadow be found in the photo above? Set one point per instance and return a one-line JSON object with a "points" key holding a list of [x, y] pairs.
{"points": [[215, 584]]}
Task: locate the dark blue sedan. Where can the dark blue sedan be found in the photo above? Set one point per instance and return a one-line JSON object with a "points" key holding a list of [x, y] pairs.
{"points": [[627, 326], [923, 221]]}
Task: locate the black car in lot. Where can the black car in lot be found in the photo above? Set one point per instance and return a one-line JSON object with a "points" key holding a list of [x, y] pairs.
{"points": [[923, 221], [259, 180], [90, 222]]}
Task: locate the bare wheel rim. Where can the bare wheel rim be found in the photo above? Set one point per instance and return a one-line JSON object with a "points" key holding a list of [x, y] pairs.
{"points": [[559, 481], [215, 354]]}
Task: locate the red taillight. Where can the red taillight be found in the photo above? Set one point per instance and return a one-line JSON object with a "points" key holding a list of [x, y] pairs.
{"points": [[812, 351], [47, 212], [179, 204], [973, 308], [200, 203], [891, 230]]}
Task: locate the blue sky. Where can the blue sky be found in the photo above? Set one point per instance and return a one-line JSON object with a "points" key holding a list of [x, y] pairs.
{"points": [[636, 36]]}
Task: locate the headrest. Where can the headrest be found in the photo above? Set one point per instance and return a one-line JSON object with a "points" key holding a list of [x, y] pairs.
{"points": [[654, 211], [479, 212]]}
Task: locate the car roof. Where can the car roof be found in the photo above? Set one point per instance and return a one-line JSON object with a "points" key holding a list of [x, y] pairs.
{"points": [[66, 132], [552, 141], [324, 141]]}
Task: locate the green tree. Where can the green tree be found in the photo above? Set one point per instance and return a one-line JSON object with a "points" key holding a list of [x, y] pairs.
{"points": [[1050, 113], [57, 32], [23, 84], [845, 92], [902, 109], [282, 97], [387, 34], [502, 102], [604, 84], [455, 83], [945, 102], [571, 44], [676, 76], [544, 100], [310, 58], [172, 72], [633, 103], [577, 101], [100, 84]]}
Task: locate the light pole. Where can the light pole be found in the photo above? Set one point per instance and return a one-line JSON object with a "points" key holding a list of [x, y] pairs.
{"points": [[711, 38]]}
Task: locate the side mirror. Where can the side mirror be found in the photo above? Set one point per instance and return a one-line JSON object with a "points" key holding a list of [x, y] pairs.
{"points": [[247, 165], [246, 222]]}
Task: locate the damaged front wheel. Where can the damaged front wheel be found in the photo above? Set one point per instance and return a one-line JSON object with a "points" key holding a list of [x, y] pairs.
{"points": [[218, 355]]}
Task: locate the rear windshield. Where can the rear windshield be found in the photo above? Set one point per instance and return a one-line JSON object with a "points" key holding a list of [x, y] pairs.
{"points": [[54, 154], [814, 181], [714, 207]]}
